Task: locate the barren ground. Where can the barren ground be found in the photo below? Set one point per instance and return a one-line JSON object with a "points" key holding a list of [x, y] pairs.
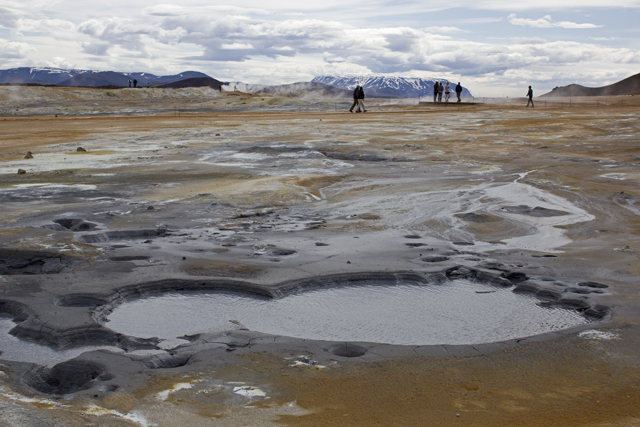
{"points": [[230, 179]]}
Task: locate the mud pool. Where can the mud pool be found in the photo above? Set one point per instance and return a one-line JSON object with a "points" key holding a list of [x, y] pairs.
{"points": [[458, 312], [17, 349]]}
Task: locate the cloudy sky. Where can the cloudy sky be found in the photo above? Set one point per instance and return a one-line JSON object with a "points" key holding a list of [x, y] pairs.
{"points": [[494, 47]]}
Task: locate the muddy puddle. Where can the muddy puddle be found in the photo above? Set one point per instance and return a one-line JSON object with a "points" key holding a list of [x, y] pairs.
{"points": [[457, 312]]}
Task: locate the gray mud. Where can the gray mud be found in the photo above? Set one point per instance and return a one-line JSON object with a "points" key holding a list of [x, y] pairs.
{"points": [[279, 207]]}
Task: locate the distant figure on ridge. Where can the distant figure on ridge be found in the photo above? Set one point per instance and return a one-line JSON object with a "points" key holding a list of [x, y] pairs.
{"points": [[361, 99], [135, 83], [129, 82], [440, 90], [458, 91], [447, 93], [530, 96], [355, 100], [435, 92], [148, 85]]}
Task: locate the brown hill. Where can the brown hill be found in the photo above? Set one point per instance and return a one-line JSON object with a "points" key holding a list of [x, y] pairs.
{"points": [[628, 86]]}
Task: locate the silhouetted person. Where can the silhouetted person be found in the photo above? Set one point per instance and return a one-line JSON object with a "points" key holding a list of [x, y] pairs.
{"points": [[435, 92], [440, 90], [361, 99], [148, 85], [355, 100], [129, 83], [458, 91], [530, 96], [135, 83]]}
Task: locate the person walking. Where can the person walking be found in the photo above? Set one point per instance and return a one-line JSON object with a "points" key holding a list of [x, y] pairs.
{"points": [[361, 99], [458, 91], [530, 96], [447, 93], [440, 90], [355, 100], [129, 83], [135, 83], [435, 92]]}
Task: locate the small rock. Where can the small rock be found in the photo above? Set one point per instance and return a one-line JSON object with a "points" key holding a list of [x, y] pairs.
{"points": [[150, 208], [21, 171], [28, 155], [81, 150], [184, 258], [217, 134], [348, 262]]}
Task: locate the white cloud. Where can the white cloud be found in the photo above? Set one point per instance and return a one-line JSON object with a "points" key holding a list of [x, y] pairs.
{"points": [[14, 50], [546, 22], [236, 46], [443, 30]]}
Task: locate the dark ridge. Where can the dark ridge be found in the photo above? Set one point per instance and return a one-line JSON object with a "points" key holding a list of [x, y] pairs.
{"points": [[193, 82], [628, 86]]}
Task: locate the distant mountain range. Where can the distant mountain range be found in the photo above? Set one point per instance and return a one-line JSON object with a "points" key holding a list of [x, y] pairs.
{"points": [[388, 87], [628, 86], [62, 77], [339, 86]]}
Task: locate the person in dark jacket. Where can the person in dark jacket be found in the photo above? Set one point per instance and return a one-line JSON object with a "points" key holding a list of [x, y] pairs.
{"points": [[135, 83], [458, 91], [355, 100], [361, 99], [530, 96], [435, 91]]}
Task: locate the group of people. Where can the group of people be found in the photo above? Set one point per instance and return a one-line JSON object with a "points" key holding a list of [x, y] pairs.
{"points": [[358, 100], [439, 88]]}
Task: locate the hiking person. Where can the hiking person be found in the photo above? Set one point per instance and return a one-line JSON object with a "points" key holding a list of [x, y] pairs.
{"points": [[135, 83], [530, 96], [355, 100], [447, 93], [361, 99], [129, 83], [435, 92], [458, 91], [440, 90]]}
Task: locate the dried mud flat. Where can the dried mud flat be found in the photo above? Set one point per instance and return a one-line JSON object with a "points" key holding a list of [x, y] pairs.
{"points": [[195, 190]]}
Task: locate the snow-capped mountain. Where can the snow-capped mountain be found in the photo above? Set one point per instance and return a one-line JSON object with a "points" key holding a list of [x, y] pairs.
{"points": [[389, 87], [64, 77]]}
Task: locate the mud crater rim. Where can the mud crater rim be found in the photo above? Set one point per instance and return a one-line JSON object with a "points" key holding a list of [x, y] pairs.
{"points": [[570, 303]]}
